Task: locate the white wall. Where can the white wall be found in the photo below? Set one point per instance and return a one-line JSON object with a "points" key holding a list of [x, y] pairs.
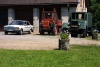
{"points": [[11, 15], [36, 19], [81, 6], [64, 14]]}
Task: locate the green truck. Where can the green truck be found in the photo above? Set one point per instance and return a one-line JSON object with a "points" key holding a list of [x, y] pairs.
{"points": [[80, 23]]}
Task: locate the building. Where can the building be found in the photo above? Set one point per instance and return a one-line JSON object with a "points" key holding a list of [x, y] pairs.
{"points": [[31, 10]]}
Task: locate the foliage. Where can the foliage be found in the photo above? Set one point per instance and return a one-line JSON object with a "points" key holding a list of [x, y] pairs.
{"points": [[95, 9], [95, 31], [64, 36], [77, 56]]}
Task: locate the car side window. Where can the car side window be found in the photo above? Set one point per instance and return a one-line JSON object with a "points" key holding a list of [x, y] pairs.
{"points": [[20, 23], [25, 23], [28, 23]]}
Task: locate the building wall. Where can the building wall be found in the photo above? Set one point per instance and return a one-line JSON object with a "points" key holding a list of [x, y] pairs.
{"points": [[36, 19], [66, 10], [64, 14], [81, 7], [11, 15], [3, 17]]}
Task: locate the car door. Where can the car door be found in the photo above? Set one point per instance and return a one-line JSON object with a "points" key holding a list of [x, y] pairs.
{"points": [[25, 27], [28, 26]]}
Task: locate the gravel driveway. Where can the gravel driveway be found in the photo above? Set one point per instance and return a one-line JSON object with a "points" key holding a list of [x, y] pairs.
{"points": [[37, 42]]}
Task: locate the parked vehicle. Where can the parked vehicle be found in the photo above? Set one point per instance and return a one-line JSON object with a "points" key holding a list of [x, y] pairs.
{"points": [[18, 26], [80, 23], [50, 22]]}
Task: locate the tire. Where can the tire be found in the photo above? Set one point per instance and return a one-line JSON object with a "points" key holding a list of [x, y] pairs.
{"points": [[54, 31], [84, 33], [60, 30], [29, 31], [49, 33], [6, 32], [41, 32], [90, 33], [21, 32]]}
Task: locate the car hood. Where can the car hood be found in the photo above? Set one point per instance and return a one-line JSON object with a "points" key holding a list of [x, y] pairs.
{"points": [[12, 25]]}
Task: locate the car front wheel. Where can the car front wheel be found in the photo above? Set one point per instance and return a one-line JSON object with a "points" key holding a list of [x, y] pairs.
{"points": [[6, 32], [21, 32]]}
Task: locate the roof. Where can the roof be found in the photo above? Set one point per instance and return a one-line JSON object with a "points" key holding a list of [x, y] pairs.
{"points": [[34, 2]]}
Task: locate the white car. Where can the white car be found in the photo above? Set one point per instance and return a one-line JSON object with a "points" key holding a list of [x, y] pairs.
{"points": [[18, 26]]}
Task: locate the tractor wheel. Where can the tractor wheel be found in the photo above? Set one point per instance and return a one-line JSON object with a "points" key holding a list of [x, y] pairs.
{"points": [[60, 30], [41, 32], [49, 33], [54, 31]]}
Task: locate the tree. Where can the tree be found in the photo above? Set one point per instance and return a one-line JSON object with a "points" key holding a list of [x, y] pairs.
{"points": [[95, 10]]}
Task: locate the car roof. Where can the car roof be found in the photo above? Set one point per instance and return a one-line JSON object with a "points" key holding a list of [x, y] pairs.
{"points": [[21, 20]]}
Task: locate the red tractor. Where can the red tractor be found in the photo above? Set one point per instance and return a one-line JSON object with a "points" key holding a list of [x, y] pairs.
{"points": [[50, 22]]}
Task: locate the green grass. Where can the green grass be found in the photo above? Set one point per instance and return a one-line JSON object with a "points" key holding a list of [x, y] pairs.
{"points": [[77, 56]]}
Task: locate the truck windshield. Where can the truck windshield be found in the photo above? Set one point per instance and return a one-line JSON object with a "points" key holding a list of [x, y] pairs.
{"points": [[48, 15], [78, 16], [16, 23]]}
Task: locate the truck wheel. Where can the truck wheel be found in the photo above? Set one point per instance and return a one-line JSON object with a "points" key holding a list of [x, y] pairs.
{"points": [[84, 34], [90, 33]]}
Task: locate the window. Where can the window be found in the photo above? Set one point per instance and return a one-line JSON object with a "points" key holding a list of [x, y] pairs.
{"points": [[73, 15], [28, 23]]}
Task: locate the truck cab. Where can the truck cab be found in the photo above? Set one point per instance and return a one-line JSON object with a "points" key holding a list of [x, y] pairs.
{"points": [[80, 23]]}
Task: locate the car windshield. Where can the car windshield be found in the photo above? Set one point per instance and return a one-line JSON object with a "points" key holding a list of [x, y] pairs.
{"points": [[16, 23]]}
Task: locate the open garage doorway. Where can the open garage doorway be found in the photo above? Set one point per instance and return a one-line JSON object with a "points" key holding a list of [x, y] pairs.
{"points": [[3, 18], [24, 14]]}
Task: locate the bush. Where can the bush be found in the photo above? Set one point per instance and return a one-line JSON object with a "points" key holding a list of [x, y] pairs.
{"points": [[64, 36]]}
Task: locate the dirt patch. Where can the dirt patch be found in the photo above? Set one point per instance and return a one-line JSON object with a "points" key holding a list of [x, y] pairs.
{"points": [[37, 42]]}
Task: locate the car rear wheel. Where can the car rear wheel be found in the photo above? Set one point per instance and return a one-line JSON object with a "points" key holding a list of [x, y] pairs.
{"points": [[29, 31]]}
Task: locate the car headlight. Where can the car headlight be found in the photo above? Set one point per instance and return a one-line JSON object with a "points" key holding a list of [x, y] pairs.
{"points": [[5, 28]]}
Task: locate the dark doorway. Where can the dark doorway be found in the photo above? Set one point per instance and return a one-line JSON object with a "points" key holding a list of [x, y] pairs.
{"points": [[3, 18], [24, 14]]}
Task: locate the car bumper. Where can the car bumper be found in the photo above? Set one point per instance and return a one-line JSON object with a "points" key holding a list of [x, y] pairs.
{"points": [[12, 31]]}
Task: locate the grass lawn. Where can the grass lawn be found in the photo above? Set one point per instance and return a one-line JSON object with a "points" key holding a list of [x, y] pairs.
{"points": [[77, 56]]}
